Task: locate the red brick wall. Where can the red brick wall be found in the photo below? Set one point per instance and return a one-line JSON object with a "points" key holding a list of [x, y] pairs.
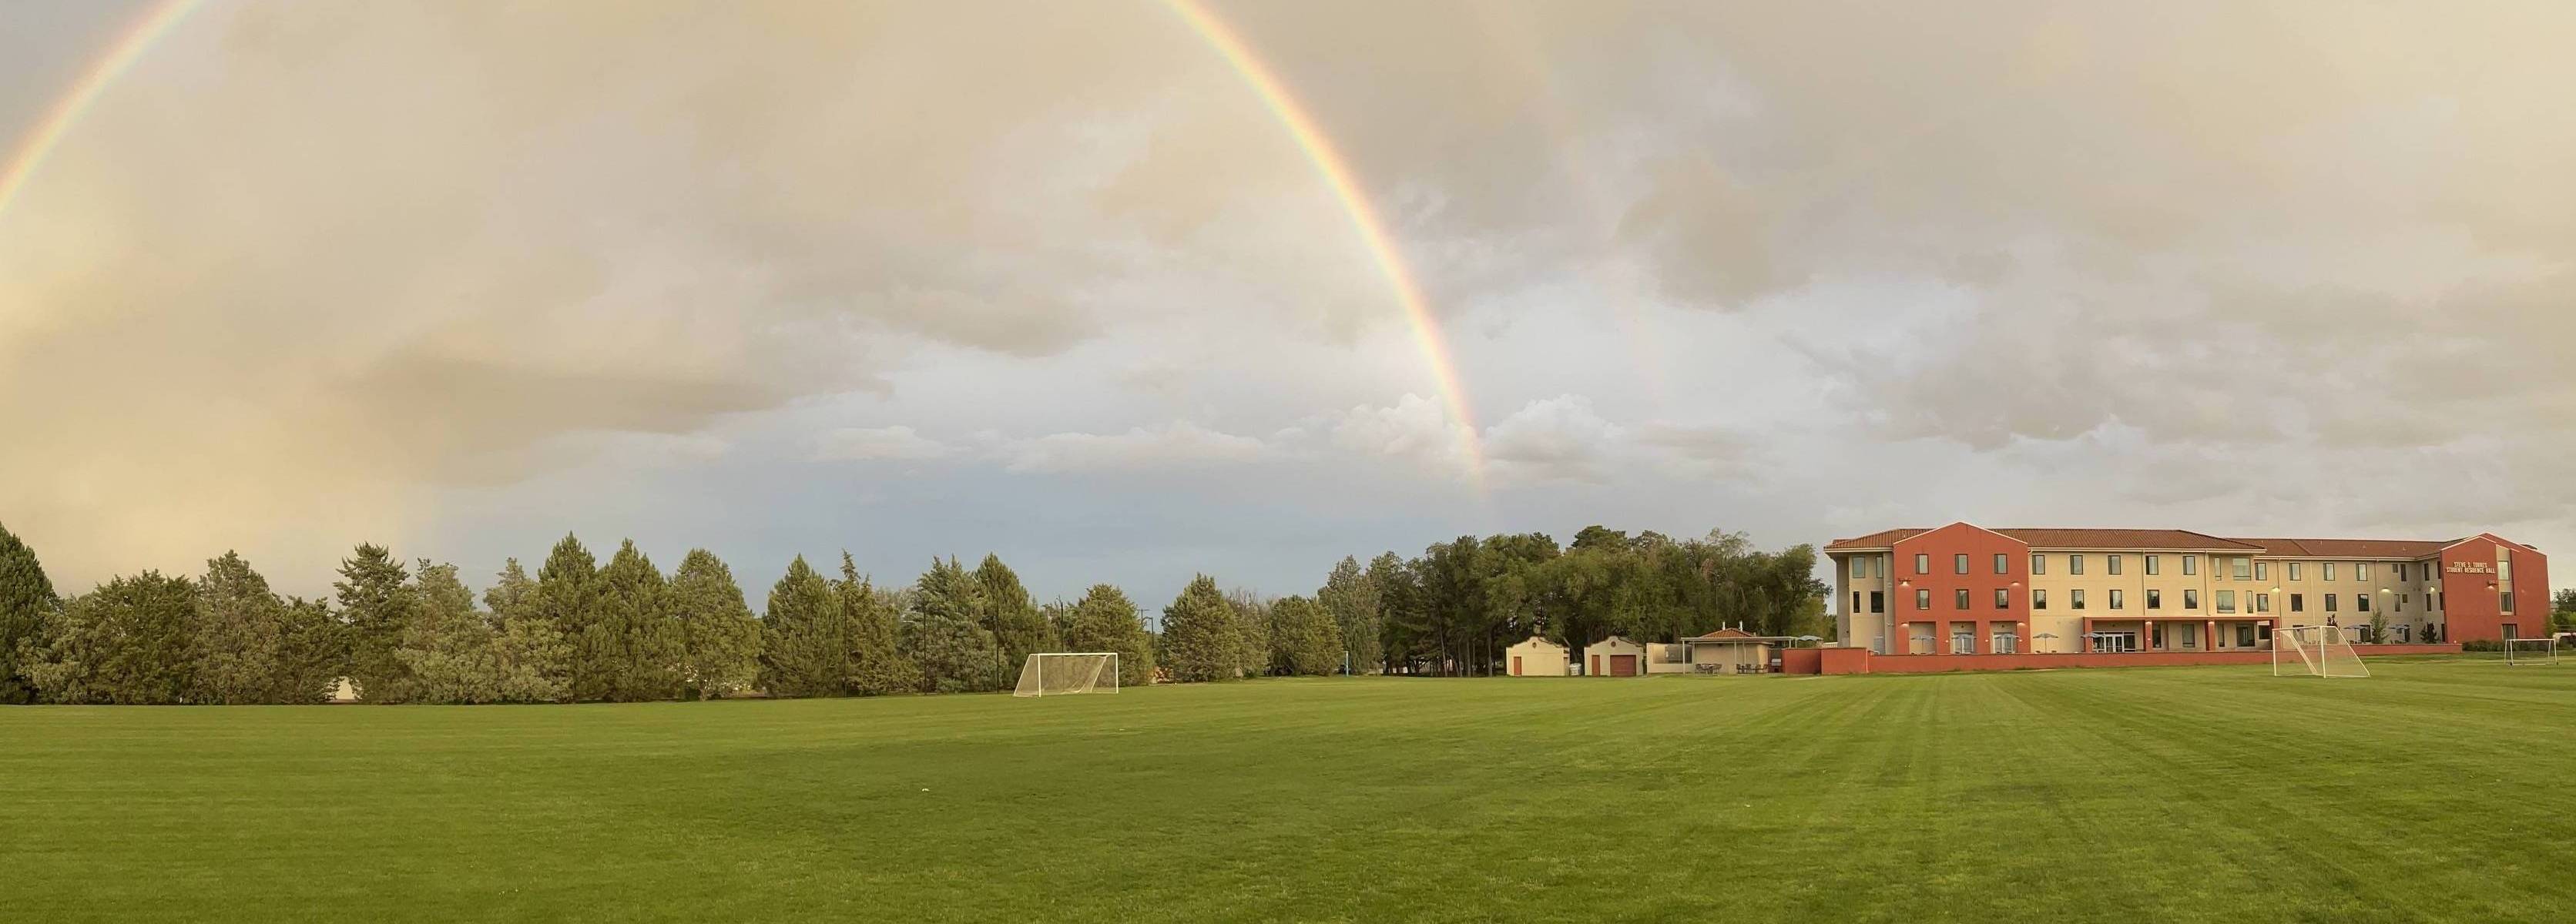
{"points": [[1867, 663], [1802, 660], [1943, 580], [2473, 611]]}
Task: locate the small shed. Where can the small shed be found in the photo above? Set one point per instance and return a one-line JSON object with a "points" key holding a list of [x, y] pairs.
{"points": [[1535, 657], [1614, 657], [1733, 651]]}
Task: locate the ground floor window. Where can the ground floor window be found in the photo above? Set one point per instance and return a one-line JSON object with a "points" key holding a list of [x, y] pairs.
{"points": [[2404, 634], [2244, 636], [1963, 643], [2007, 643]]}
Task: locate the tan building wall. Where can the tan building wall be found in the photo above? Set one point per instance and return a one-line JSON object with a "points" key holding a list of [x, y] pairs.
{"points": [[1669, 659], [1536, 657], [1600, 657]]}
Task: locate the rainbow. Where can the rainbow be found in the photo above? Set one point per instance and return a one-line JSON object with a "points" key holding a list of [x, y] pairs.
{"points": [[121, 55], [1345, 185]]}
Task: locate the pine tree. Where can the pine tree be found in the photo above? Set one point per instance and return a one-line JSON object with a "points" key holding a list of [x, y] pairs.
{"points": [[800, 635], [447, 652], [568, 595], [1352, 599], [719, 638], [26, 600], [1105, 620], [240, 630], [1199, 635], [125, 643], [1305, 638], [312, 653], [634, 645], [531, 660], [873, 637], [378, 605], [1251, 632], [942, 633], [1012, 615]]}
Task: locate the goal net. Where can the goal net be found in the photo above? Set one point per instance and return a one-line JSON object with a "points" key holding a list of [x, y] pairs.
{"points": [[2315, 651], [1056, 674], [2525, 651]]}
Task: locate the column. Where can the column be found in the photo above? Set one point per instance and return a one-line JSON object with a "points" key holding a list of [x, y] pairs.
{"points": [[2147, 636], [1985, 640], [2209, 637], [2084, 640]]}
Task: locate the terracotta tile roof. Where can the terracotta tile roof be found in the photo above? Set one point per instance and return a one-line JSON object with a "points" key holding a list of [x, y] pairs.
{"points": [[2070, 539], [2350, 548], [2125, 539]]}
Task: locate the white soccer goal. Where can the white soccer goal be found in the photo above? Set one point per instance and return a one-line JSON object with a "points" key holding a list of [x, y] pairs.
{"points": [[2520, 652], [1059, 673], [2315, 651]]}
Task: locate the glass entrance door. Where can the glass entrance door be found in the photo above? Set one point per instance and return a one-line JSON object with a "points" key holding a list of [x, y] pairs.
{"points": [[2115, 642]]}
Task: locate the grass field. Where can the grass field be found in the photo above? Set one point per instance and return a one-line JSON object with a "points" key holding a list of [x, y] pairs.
{"points": [[2172, 794]]}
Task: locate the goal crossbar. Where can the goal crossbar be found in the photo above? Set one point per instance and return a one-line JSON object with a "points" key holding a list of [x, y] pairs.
{"points": [[1057, 673]]}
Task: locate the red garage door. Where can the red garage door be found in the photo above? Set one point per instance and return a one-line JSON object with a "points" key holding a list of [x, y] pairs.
{"points": [[1623, 665]]}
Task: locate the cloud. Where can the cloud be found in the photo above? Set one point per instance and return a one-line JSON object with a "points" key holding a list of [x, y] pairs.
{"points": [[1555, 439], [866, 443], [1415, 430], [1178, 445]]}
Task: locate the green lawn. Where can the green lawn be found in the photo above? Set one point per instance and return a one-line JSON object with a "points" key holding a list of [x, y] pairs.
{"points": [[2172, 794]]}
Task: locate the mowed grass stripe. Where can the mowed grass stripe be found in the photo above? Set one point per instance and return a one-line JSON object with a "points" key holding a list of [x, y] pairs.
{"points": [[2174, 794]]}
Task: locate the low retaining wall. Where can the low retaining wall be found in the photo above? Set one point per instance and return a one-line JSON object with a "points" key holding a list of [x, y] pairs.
{"points": [[1862, 661]]}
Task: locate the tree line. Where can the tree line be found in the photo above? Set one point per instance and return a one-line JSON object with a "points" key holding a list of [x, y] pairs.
{"points": [[580, 630]]}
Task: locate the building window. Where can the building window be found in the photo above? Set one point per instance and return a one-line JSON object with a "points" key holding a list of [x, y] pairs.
{"points": [[2262, 603], [2329, 574], [2401, 603], [2504, 564], [2330, 603], [2508, 603], [1855, 607], [2405, 634], [2075, 598], [2512, 630], [2190, 601], [2155, 565], [2119, 600], [2263, 632], [1959, 563], [2244, 636], [2111, 564], [2155, 599], [2190, 564], [2361, 571], [2294, 571], [1923, 599], [2243, 567], [2038, 599], [2262, 571], [2003, 563], [2003, 598], [2075, 564], [1922, 563], [1960, 599], [2227, 601], [1878, 601], [2298, 603], [2361, 602], [2039, 564], [1859, 566]]}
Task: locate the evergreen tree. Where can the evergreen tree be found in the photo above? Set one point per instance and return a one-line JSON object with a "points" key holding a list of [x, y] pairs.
{"points": [[872, 626], [531, 661], [568, 595], [1105, 620], [125, 643], [1352, 600], [633, 646], [239, 627], [800, 635], [312, 653], [448, 651], [943, 635], [1012, 615], [378, 605], [1307, 641], [1199, 635], [1251, 632], [719, 638], [26, 600]]}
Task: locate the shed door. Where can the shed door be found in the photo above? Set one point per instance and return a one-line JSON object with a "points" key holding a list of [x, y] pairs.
{"points": [[1596, 666], [1623, 665], [1516, 665]]}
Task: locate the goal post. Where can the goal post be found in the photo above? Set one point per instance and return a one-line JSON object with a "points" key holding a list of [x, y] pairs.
{"points": [[2315, 651], [1059, 673], [2524, 652]]}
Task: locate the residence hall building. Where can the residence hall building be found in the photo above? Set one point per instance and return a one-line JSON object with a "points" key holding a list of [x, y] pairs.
{"points": [[1964, 589]]}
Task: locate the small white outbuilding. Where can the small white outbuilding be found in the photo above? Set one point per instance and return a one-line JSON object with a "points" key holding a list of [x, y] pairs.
{"points": [[1614, 657], [1535, 657]]}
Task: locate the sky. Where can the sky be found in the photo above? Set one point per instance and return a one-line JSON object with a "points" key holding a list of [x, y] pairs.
{"points": [[1056, 281]]}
